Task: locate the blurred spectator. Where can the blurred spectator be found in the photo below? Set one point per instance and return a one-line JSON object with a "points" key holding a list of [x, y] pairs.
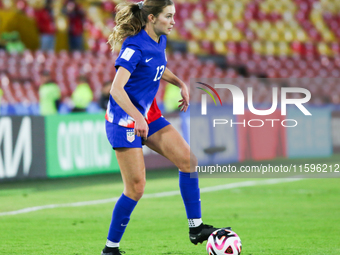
{"points": [[49, 95], [105, 95], [1, 93], [171, 97], [12, 41], [2, 42], [76, 18], [46, 25], [82, 96], [21, 5]]}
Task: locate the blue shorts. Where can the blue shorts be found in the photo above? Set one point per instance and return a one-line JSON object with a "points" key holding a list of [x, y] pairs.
{"points": [[123, 137]]}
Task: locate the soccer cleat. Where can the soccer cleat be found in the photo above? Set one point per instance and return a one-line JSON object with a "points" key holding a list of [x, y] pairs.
{"points": [[112, 251], [203, 234]]}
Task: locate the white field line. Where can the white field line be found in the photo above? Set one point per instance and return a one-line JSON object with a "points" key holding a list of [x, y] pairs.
{"points": [[154, 195]]}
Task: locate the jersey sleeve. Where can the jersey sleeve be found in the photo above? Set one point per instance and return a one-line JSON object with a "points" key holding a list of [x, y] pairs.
{"points": [[129, 57]]}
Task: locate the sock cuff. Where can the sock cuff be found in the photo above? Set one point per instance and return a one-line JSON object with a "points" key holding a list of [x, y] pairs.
{"points": [[194, 223], [127, 203], [111, 244], [193, 175]]}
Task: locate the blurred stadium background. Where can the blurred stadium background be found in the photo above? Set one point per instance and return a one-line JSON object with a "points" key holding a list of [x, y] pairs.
{"points": [[245, 39], [251, 39], [267, 38]]}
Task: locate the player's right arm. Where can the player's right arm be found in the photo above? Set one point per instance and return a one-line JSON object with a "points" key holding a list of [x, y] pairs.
{"points": [[119, 94]]}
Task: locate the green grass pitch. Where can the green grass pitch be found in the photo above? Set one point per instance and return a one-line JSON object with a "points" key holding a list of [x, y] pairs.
{"points": [[300, 217]]}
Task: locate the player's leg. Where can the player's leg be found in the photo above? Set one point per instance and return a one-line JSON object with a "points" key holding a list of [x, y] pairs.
{"points": [[132, 168], [169, 143], [165, 140]]}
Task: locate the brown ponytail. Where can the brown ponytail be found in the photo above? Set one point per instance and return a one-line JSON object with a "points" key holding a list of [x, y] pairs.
{"points": [[130, 18]]}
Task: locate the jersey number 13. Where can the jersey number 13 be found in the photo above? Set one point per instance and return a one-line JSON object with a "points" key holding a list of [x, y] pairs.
{"points": [[160, 71]]}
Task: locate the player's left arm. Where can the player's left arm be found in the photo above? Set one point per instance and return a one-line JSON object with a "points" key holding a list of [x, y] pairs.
{"points": [[168, 76]]}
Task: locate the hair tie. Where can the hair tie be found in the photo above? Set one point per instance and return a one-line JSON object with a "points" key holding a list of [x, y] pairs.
{"points": [[140, 4]]}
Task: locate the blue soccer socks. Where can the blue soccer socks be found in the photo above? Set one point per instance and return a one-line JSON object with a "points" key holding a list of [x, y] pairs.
{"points": [[120, 218], [188, 184]]}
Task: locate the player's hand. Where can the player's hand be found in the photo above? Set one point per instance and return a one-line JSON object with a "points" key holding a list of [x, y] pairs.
{"points": [[141, 128], [184, 102]]}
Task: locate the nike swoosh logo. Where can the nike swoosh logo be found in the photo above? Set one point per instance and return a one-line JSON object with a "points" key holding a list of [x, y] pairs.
{"points": [[123, 225], [147, 60]]}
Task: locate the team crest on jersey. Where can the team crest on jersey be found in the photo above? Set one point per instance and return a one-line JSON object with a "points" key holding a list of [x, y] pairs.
{"points": [[130, 135]]}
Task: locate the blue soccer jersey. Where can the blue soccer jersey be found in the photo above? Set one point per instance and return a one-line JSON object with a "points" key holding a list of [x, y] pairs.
{"points": [[146, 60]]}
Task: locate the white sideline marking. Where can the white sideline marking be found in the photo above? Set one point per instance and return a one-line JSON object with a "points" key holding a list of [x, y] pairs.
{"points": [[154, 195]]}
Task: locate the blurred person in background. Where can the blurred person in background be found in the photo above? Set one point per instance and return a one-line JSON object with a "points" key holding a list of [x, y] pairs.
{"points": [[1, 93], [133, 118], [172, 95], [82, 96], [75, 16], [12, 42], [49, 95], [46, 25], [105, 95], [3, 41]]}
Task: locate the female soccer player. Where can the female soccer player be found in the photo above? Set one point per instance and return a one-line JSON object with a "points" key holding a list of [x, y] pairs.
{"points": [[133, 118]]}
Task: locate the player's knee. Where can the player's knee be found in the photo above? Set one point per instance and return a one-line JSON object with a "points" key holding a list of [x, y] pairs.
{"points": [[137, 189], [193, 161], [188, 162]]}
